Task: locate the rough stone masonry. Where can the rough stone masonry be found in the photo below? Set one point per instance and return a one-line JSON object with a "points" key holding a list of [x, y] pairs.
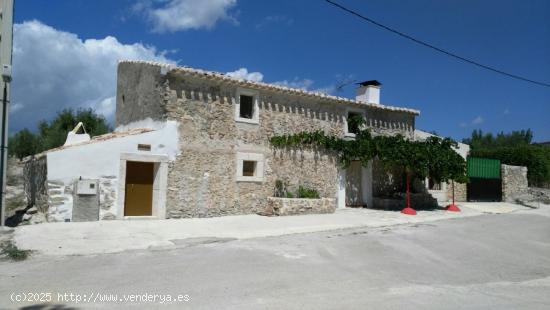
{"points": [[203, 179], [514, 182]]}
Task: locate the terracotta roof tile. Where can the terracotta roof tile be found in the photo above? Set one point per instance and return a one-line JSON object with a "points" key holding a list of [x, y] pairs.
{"points": [[262, 85]]}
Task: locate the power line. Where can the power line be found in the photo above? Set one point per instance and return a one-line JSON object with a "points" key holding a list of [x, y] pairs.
{"points": [[435, 47]]}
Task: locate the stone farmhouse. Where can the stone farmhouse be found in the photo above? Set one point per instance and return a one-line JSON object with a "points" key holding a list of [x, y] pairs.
{"points": [[194, 143]]}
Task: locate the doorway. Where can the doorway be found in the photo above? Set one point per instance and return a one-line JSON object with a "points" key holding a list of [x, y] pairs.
{"points": [[138, 200], [354, 195]]}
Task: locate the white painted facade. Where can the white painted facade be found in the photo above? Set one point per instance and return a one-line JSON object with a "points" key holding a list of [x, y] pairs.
{"points": [[101, 158], [462, 149], [106, 160], [368, 94]]}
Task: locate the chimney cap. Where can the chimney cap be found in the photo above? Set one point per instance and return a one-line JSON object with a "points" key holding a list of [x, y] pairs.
{"points": [[370, 83]]}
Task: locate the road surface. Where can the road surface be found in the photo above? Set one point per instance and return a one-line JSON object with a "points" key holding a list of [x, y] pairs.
{"points": [[483, 262]]}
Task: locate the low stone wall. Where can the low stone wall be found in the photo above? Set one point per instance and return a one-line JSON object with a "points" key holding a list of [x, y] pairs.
{"points": [[460, 191], [539, 194], [108, 197], [514, 182], [295, 206]]}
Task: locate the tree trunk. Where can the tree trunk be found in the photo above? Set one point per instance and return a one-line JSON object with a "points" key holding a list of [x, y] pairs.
{"points": [[453, 185], [408, 192]]}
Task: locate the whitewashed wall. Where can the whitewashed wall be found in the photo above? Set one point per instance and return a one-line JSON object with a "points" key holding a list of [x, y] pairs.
{"points": [[97, 159], [101, 160], [463, 149]]}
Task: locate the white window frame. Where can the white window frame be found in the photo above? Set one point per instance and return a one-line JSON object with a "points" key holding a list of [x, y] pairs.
{"points": [[256, 106], [352, 110], [258, 172]]}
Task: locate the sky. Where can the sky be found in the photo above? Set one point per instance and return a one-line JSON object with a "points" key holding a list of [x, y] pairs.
{"points": [[66, 53]]}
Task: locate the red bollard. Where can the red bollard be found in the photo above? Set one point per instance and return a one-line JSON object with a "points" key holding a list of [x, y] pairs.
{"points": [[452, 207], [408, 210]]}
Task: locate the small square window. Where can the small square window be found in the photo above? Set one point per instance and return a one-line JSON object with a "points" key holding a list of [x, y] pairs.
{"points": [[246, 109], [92, 185], [249, 168]]}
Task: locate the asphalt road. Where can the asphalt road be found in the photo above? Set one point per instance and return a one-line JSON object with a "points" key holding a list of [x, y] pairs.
{"points": [[483, 262]]}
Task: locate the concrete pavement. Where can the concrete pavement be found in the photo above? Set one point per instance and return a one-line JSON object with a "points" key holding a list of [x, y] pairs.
{"points": [[491, 261], [85, 238]]}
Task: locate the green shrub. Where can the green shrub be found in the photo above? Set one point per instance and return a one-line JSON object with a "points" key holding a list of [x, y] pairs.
{"points": [[23, 144], [535, 157], [282, 191], [12, 252], [305, 192], [53, 134]]}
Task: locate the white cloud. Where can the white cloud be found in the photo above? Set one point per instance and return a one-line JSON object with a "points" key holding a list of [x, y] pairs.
{"points": [[243, 74], [178, 15], [304, 84], [55, 69], [476, 121], [274, 19], [329, 90]]}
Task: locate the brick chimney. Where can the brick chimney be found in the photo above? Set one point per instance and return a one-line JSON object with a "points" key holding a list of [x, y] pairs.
{"points": [[368, 92]]}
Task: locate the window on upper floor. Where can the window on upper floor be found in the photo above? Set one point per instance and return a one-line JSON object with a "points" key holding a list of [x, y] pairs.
{"points": [[353, 122], [246, 109], [247, 106]]}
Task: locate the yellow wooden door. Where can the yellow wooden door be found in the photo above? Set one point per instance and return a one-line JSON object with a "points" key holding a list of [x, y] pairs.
{"points": [[139, 189]]}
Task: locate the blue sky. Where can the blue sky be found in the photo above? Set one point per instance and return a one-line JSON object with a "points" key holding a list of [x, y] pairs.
{"points": [[65, 53]]}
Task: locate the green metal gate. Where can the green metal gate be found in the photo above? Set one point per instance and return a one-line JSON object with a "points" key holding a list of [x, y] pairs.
{"points": [[485, 179]]}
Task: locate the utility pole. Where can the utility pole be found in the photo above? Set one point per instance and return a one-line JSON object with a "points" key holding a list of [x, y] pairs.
{"points": [[6, 42]]}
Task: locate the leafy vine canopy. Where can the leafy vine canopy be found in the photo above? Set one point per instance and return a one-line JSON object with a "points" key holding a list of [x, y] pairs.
{"points": [[434, 157]]}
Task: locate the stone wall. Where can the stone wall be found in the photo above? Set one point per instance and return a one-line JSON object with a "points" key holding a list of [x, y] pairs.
{"points": [[460, 191], [60, 201], [296, 206], [35, 174], [139, 93], [108, 186], [514, 182], [202, 179]]}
